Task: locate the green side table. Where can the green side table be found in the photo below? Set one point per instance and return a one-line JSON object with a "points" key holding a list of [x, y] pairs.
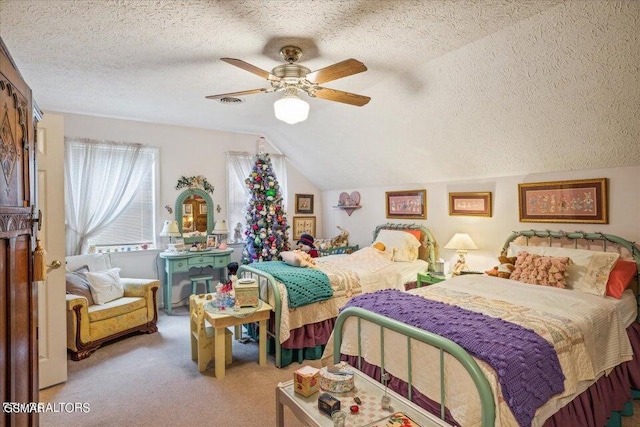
{"points": [[428, 279]]}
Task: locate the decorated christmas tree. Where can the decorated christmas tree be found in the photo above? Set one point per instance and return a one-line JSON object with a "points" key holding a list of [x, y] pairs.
{"points": [[266, 232]]}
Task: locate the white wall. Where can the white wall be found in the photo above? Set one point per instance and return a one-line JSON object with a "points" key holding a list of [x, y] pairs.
{"points": [[183, 151], [190, 151], [489, 233]]}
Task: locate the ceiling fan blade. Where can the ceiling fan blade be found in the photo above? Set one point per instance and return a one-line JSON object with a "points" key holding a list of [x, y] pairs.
{"points": [[341, 96], [336, 71], [241, 93], [251, 68]]}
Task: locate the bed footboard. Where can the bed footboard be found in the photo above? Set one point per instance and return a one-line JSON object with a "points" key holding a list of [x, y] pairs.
{"points": [[444, 345], [268, 288]]}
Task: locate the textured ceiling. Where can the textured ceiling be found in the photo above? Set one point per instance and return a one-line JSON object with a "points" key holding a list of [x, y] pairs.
{"points": [[460, 89]]}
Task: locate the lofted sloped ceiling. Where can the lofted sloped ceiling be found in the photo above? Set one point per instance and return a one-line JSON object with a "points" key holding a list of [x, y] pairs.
{"points": [[460, 89]]}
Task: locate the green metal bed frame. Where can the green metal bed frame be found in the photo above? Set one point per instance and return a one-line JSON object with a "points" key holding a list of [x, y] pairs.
{"points": [[447, 346], [269, 287]]}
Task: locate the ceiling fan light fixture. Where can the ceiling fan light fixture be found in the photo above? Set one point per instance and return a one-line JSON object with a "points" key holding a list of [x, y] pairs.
{"points": [[291, 109]]}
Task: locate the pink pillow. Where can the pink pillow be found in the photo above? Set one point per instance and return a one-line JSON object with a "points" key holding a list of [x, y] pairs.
{"points": [[541, 270], [621, 277]]}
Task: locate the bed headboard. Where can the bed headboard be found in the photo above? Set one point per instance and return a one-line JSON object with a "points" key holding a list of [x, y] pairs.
{"points": [[428, 251], [578, 240]]}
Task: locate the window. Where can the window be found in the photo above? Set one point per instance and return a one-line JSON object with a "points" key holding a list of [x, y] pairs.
{"points": [[239, 166], [110, 193]]}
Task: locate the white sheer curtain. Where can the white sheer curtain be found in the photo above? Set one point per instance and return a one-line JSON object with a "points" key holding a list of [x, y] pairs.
{"points": [[101, 179], [239, 166]]}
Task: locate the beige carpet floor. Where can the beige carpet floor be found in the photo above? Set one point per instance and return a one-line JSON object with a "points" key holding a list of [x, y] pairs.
{"points": [[150, 380]]}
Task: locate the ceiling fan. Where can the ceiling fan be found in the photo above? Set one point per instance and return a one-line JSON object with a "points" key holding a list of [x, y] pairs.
{"points": [[293, 78]]}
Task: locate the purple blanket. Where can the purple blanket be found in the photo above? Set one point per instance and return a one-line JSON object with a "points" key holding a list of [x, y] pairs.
{"points": [[526, 364]]}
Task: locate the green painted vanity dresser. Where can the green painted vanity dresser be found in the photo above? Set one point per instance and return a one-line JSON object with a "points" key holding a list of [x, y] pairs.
{"points": [[182, 262]]}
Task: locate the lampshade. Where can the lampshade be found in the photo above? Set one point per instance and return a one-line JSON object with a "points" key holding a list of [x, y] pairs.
{"points": [[170, 229], [290, 108], [461, 241], [221, 227]]}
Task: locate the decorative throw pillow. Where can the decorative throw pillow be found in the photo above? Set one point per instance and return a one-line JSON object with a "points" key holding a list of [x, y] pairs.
{"points": [[93, 262], [298, 258], [105, 285], [379, 246], [595, 279], [621, 277], [580, 259], [541, 270], [404, 244], [291, 258], [77, 284], [416, 233]]}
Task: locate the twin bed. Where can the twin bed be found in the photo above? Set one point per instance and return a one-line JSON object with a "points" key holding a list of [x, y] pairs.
{"points": [[298, 333], [506, 353]]}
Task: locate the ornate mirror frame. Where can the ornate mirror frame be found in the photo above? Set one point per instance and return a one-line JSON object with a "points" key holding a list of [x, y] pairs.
{"points": [[178, 210]]}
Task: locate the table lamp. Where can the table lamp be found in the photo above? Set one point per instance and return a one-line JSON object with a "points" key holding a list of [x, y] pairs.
{"points": [[220, 231], [170, 229], [461, 242]]}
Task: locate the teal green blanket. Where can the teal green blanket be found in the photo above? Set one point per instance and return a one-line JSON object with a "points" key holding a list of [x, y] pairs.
{"points": [[304, 285]]}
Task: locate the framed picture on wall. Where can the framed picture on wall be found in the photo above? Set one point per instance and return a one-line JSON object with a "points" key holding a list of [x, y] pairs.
{"points": [[303, 225], [470, 204], [187, 209], [304, 203], [581, 201], [410, 204]]}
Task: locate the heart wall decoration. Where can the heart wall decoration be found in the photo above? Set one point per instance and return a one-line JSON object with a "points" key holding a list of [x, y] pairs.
{"points": [[352, 199], [349, 202]]}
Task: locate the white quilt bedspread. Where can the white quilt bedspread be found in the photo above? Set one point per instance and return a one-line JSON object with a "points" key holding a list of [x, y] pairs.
{"points": [[593, 342], [360, 272]]}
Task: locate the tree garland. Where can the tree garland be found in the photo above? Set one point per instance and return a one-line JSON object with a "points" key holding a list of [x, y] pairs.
{"points": [[194, 182]]}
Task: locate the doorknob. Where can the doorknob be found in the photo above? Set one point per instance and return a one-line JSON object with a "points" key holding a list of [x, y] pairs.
{"points": [[54, 264]]}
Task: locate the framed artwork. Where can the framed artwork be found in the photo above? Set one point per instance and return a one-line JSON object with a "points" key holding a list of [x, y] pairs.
{"points": [[304, 203], [303, 225], [470, 204], [410, 204], [581, 201], [187, 209], [203, 208], [212, 241]]}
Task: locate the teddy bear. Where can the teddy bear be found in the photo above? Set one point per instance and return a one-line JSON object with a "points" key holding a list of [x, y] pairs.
{"points": [[504, 269]]}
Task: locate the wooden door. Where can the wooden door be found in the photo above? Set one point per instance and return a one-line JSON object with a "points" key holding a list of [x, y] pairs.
{"points": [[52, 320], [18, 292]]}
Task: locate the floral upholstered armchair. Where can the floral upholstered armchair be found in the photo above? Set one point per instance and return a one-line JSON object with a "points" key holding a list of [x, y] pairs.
{"points": [[101, 306]]}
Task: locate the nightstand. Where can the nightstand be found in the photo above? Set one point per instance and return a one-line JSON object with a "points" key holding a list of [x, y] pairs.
{"points": [[428, 279]]}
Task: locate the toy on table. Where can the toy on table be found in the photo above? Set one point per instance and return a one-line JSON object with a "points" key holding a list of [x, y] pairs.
{"points": [[232, 268]]}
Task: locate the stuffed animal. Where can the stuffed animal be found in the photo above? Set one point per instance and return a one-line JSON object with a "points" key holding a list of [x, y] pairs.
{"points": [[341, 239], [504, 269], [305, 243]]}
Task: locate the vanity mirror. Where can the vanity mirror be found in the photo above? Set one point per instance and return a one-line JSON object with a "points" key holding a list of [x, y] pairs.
{"points": [[194, 213]]}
